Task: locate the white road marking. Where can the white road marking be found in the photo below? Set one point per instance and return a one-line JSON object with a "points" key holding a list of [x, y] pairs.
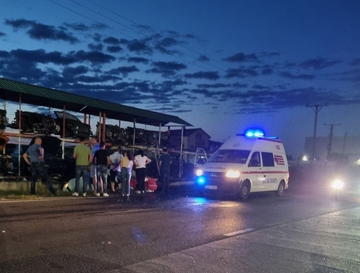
{"points": [[239, 232]]}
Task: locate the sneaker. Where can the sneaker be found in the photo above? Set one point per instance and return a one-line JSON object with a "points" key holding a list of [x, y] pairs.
{"points": [[75, 194], [142, 191], [97, 194], [105, 194], [122, 195], [84, 194], [127, 195], [138, 192]]}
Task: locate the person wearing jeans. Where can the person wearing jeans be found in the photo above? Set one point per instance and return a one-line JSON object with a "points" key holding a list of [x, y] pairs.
{"points": [[126, 164], [36, 154], [82, 154], [102, 161]]}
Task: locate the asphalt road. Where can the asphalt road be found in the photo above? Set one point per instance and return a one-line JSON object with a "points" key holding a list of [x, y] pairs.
{"points": [[307, 230]]}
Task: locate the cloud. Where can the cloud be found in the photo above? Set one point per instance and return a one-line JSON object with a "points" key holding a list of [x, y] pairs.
{"points": [[94, 57], [83, 27], [139, 46], [114, 49], [355, 62], [41, 56], [203, 75], [216, 85], [166, 69], [203, 58], [164, 44], [240, 73], [241, 57], [297, 77], [38, 31], [317, 64], [71, 72], [111, 41], [96, 79], [2, 34], [124, 70], [137, 60], [97, 47]]}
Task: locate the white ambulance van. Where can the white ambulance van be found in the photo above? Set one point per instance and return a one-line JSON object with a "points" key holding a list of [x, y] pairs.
{"points": [[246, 164]]}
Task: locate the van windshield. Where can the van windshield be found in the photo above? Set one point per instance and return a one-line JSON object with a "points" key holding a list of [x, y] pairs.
{"points": [[230, 156]]}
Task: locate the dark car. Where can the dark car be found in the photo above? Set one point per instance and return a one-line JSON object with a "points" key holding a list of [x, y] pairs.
{"points": [[74, 128]]}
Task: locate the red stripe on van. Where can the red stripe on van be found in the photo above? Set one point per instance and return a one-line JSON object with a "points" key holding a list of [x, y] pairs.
{"points": [[257, 172]]}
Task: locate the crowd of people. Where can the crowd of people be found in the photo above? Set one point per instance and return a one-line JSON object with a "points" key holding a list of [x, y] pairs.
{"points": [[95, 167]]}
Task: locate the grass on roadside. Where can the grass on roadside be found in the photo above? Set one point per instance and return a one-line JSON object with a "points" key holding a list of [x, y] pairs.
{"points": [[25, 194]]}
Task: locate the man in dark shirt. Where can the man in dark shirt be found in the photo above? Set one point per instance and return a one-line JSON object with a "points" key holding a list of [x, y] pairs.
{"points": [[102, 161], [36, 161], [165, 161]]}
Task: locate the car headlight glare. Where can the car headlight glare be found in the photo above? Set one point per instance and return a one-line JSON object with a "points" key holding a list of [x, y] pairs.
{"points": [[199, 172], [232, 174]]}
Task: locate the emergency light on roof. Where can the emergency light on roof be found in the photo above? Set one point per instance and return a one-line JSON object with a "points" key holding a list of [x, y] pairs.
{"points": [[254, 133]]}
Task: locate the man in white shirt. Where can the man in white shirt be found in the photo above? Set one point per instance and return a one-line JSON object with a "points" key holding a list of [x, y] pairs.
{"points": [[115, 168]]}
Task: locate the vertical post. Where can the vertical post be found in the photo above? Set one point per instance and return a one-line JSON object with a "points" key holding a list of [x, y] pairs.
{"points": [[84, 118], [181, 151], [19, 147], [119, 123], [134, 132], [99, 127], [344, 142], [316, 108], [63, 133], [104, 127], [159, 135], [89, 119]]}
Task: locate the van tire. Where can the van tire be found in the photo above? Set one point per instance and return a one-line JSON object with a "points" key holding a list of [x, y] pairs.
{"points": [[244, 190], [281, 189]]}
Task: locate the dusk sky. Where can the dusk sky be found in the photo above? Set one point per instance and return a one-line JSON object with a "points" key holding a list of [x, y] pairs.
{"points": [[223, 66]]}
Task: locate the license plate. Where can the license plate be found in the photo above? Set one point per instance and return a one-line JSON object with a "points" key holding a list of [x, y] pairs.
{"points": [[211, 187]]}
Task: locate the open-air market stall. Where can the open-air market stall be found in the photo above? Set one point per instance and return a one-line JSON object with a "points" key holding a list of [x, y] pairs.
{"points": [[35, 95]]}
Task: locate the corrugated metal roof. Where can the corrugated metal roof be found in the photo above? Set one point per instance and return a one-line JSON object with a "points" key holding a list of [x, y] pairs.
{"points": [[36, 95]]}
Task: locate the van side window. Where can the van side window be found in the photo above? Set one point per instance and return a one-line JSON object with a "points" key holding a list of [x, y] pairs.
{"points": [[255, 160], [268, 159]]}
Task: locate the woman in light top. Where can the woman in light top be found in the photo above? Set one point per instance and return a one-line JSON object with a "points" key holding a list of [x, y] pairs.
{"points": [[141, 161], [126, 164]]}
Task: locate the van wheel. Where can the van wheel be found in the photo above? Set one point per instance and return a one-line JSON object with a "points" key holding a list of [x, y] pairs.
{"points": [[281, 189], [245, 190]]}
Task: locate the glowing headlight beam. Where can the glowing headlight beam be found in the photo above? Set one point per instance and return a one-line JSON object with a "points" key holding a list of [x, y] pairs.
{"points": [[232, 174]]}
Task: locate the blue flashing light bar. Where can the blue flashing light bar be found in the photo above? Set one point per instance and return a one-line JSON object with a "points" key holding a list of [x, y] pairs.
{"points": [[254, 133]]}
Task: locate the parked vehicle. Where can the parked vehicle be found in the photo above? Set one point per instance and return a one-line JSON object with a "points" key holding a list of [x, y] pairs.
{"points": [[245, 164]]}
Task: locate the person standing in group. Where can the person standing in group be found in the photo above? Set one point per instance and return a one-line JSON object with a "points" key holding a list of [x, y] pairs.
{"points": [[115, 168], [83, 157], [36, 162], [94, 146], [126, 164], [164, 164], [101, 161], [141, 161]]}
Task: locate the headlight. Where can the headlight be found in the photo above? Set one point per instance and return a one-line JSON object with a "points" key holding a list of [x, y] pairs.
{"points": [[337, 184], [199, 172], [232, 174]]}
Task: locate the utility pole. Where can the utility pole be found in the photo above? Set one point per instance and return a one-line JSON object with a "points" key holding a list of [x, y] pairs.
{"points": [[329, 146], [316, 108]]}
